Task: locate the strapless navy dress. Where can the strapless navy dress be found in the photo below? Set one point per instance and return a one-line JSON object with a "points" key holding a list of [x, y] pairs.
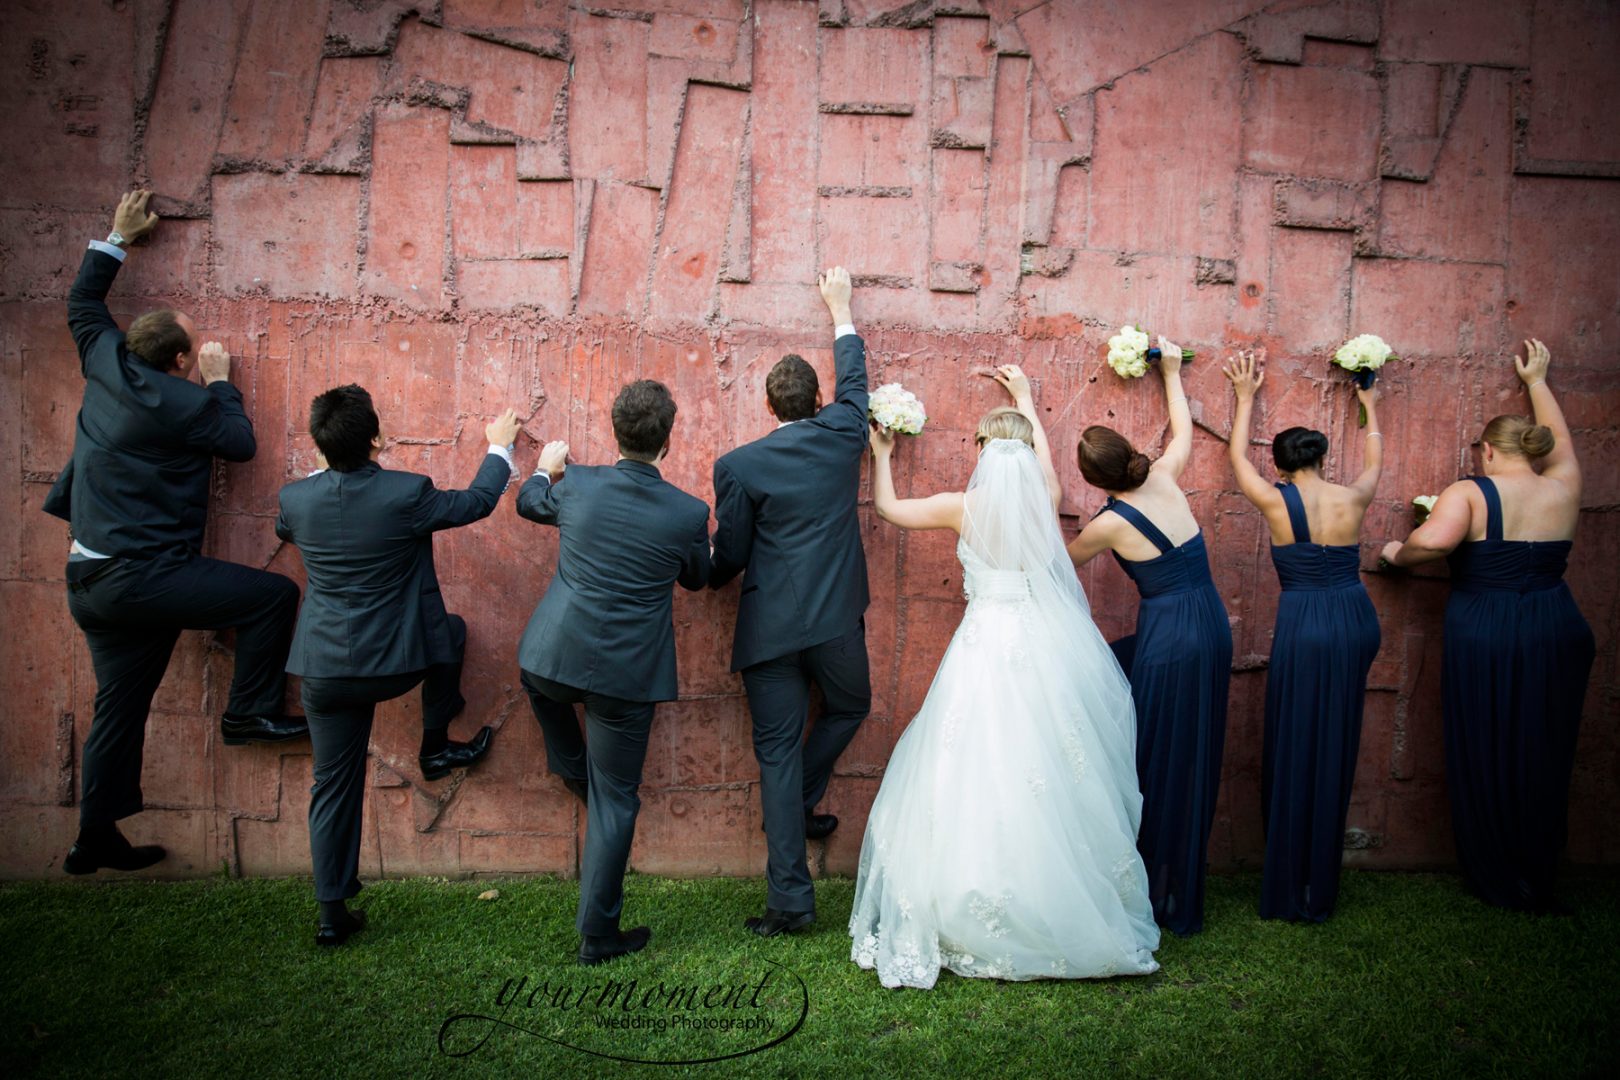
{"points": [[1180, 666], [1517, 658], [1324, 643]]}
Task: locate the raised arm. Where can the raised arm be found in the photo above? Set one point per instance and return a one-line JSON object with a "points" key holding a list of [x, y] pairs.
{"points": [[942, 511], [1561, 463], [1366, 485], [695, 564], [1176, 455], [1096, 538], [1246, 380], [1446, 527], [734, 526], [222, 427], [849, 352], [539, 499], [88, 317], [437, 509], [1016, 383]]}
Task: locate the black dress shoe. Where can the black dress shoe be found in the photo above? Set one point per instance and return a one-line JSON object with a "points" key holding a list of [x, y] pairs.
{"points": [[775, 922], [581, 788], [112, 852], [237, 729], [819, 826], [333, 934], [596, 949], [455, 755]]}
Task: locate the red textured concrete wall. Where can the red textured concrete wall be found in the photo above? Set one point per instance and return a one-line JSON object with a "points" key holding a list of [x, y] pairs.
{"points": [[479, 203]]}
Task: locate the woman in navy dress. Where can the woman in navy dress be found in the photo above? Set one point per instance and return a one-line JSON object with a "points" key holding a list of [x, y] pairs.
{"points": [[1325, 639], [1517, 654], [1181, 663]]}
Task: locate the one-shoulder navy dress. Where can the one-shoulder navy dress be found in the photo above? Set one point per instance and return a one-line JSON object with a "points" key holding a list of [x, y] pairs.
{"points": [[1324, 643], [1517, 658], [1180, 670]]}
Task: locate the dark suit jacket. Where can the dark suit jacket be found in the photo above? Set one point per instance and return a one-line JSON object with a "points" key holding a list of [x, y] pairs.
{"points": [[785, 508], [628, 536], [373, 605], [137, 484]]}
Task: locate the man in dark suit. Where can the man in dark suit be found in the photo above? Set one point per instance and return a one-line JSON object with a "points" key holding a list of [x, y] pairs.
{"points": [[374, 623], [602, 636], [136, 495], [785, 513]]}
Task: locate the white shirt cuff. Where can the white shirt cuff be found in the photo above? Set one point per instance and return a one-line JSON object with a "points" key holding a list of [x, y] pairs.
{"points": [[505, 454], [108, 249], [841, 329]]}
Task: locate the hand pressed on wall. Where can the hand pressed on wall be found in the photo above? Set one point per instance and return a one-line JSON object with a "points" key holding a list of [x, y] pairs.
{"points": [[132, 220], [213, 362]]}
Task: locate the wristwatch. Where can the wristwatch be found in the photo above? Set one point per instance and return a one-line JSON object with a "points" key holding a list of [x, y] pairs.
{"points": [[116, 237]]}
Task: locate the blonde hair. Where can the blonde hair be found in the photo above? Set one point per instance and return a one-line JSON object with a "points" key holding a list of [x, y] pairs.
{"points": [[1005, 423], [1518, 435]]}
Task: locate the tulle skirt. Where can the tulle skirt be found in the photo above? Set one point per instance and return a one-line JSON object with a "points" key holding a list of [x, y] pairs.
{"points": [[1002, 843]]}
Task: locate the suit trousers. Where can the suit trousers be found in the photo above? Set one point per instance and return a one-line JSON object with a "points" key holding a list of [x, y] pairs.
{"points": [[794, 770], [609, 757], [132, 612], [340, 711]]}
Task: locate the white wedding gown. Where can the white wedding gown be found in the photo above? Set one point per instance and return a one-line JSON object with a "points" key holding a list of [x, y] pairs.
{"points": [[1002, 843]]}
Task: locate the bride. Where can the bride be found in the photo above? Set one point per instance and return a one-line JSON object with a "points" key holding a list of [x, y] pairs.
{"points": [[1002, 843]]}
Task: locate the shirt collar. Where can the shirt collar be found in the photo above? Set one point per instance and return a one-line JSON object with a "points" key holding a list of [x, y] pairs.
{"points": [[644, 467]]}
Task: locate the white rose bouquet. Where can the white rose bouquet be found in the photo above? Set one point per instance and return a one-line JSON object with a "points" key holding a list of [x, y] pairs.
{"points": [[1130, 352], [897, 409], [1423, 506], [1362, 356]]}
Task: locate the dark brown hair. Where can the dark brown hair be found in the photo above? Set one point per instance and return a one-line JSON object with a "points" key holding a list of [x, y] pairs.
{"points": [[1518, 435], [157, 340], [1109, 461], [791, 388], [643, 415]]}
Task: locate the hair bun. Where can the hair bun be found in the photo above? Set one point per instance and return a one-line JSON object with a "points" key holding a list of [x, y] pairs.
{"points": [[1536, 441], [1137, 470], [1298, 448]]}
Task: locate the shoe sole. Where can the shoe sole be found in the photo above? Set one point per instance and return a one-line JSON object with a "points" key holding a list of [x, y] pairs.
{"points": [[787, 928], [79, 869], [440, 774], [243, 740], [592, 961]]}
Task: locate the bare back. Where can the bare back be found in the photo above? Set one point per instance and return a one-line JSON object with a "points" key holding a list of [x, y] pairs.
{"points": [[1333, 511], [1161, 501], [1533, 507]]}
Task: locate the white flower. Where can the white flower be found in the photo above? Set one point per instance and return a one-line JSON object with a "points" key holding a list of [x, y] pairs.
{"points": [[1363, 352], [894, 407], [1425, 502], [1131, 338], [1127, 352]]}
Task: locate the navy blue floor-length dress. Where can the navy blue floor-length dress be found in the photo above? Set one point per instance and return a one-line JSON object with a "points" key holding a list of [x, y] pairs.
{"points": [[1517, 658], [1180, 670], [1324, 643]]}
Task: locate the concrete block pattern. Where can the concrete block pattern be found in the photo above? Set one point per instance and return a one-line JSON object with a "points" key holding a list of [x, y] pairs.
{"points": [[474, 204]]}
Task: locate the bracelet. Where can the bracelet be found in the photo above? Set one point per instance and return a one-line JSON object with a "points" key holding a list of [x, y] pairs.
{"points": [[1375, 434], [1535, 384], [1173, 400]]}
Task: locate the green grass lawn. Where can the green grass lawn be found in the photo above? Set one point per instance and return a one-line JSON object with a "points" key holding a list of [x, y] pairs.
{"points": [[1412, 977]]}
